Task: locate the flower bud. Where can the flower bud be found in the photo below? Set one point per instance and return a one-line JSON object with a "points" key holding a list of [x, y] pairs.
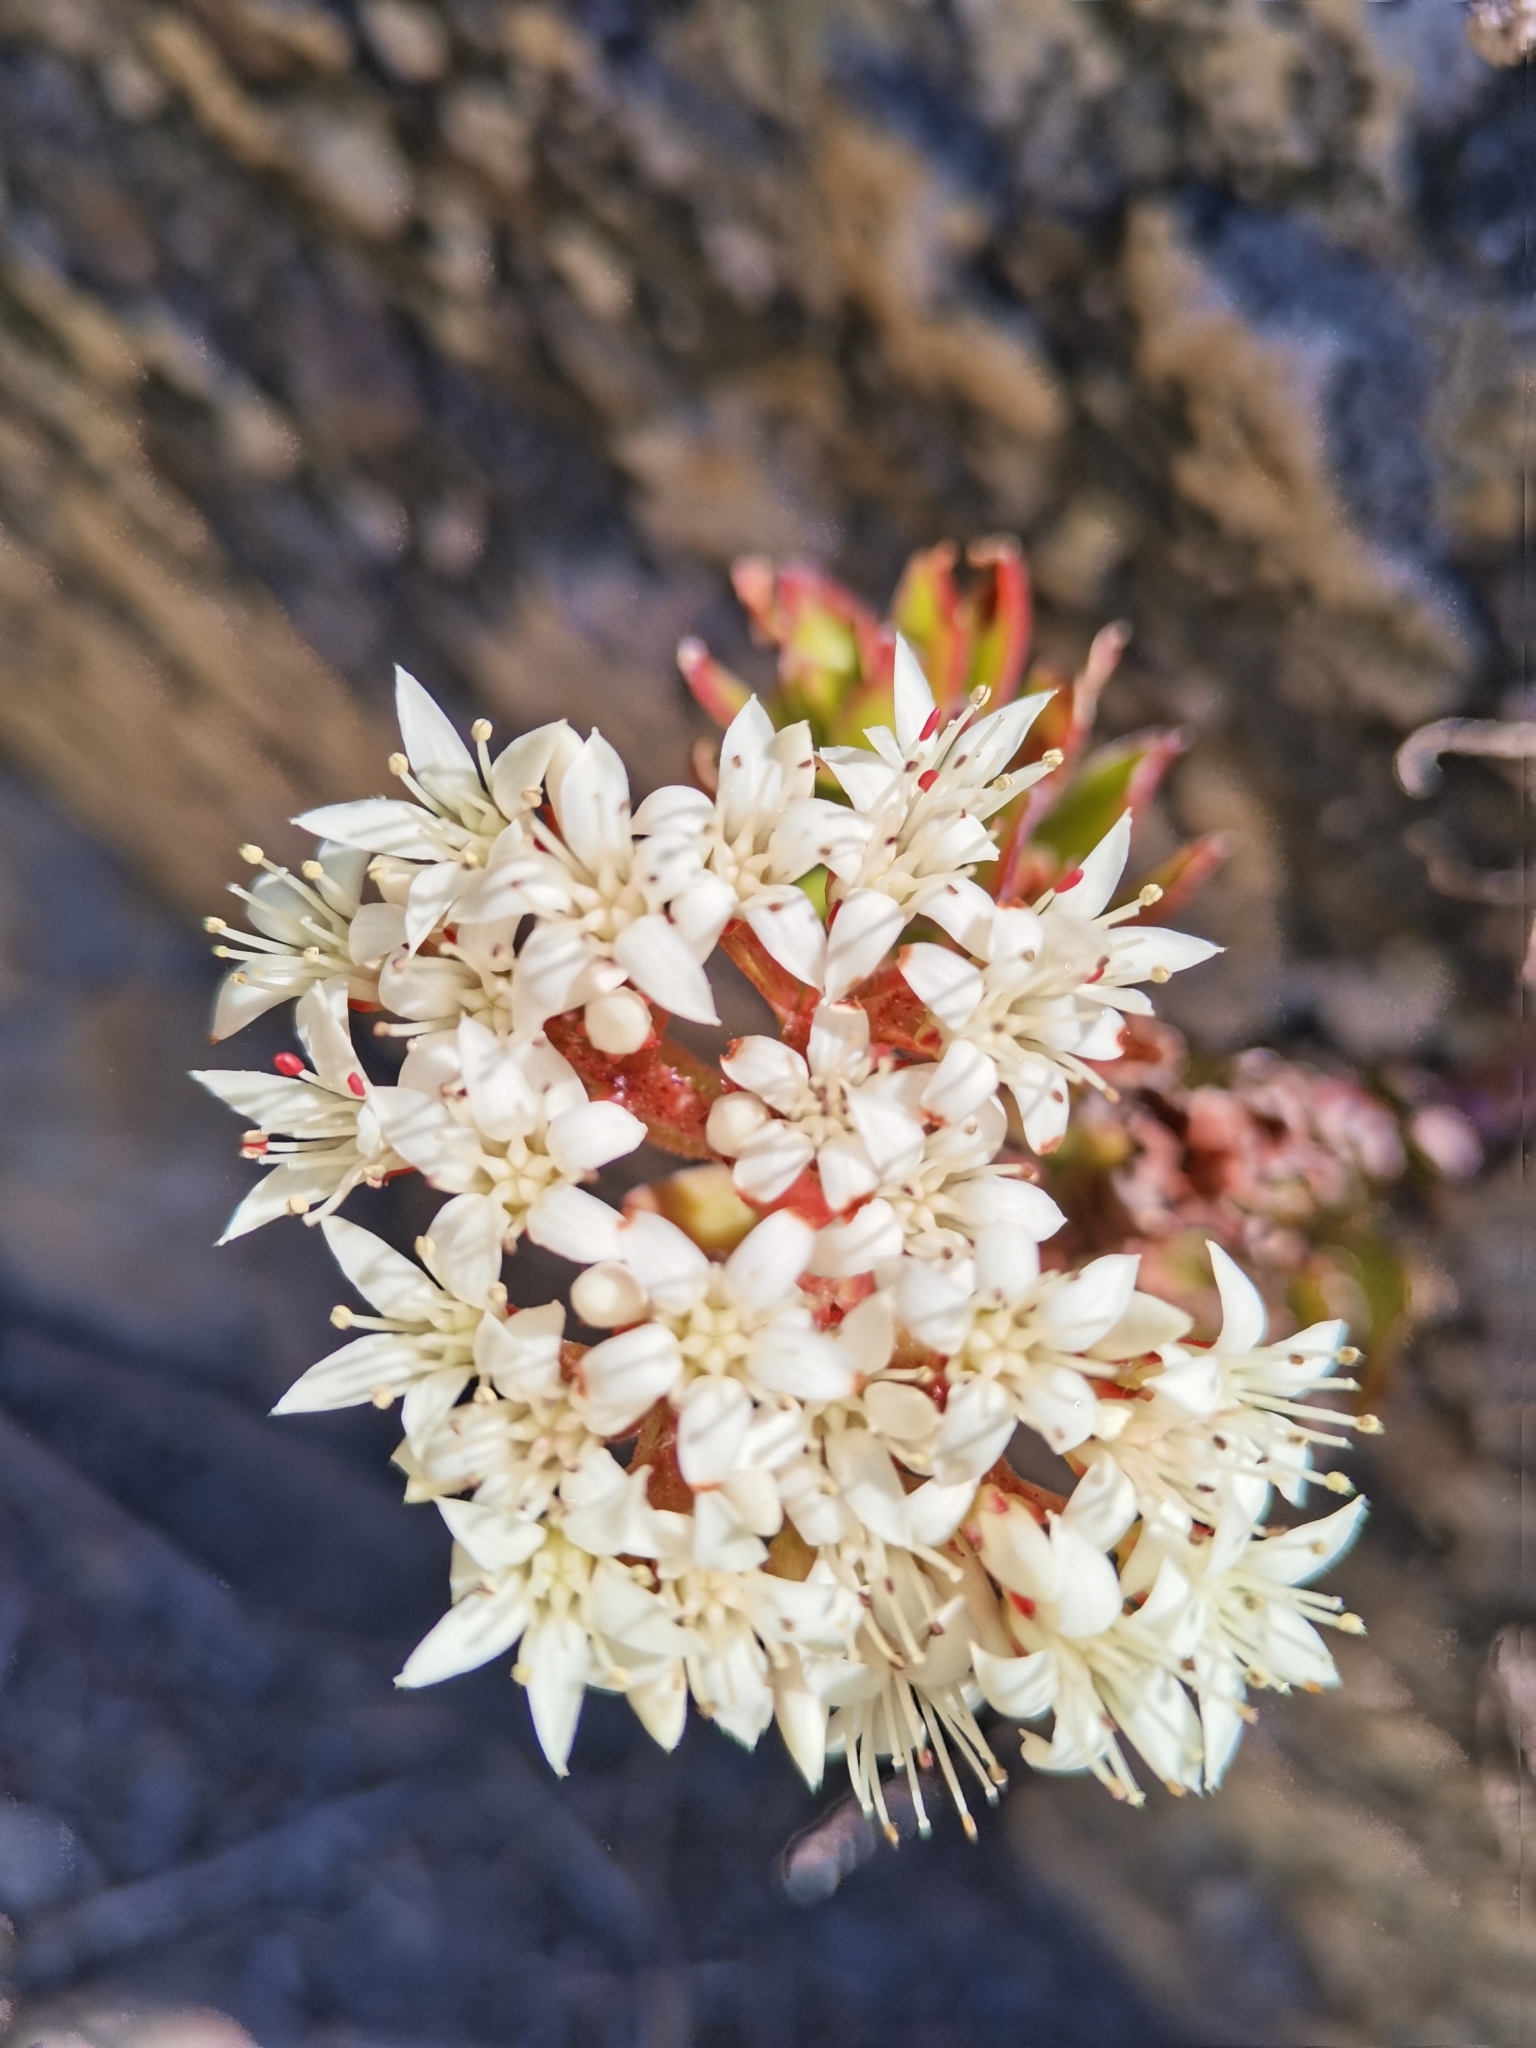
{"points": [[618, 1023], [607, 1295]]}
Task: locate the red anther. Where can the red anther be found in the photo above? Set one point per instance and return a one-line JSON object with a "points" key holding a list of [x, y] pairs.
{"points": [[932, 726], [1097, 974], [254, 1147], [1069, 881], [1025, 1607], [929, 776], [288, 1063], [357, 1084]]}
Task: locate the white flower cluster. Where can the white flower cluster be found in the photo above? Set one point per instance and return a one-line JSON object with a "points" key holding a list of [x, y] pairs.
{"points": [[776, 1485]]}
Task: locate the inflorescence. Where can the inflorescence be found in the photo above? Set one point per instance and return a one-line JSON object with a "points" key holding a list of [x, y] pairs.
{"points": [[776, 1484]]}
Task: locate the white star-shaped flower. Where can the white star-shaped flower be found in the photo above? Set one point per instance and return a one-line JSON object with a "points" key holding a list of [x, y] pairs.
{"points": [[505, 1121], [1047, 987], [465, 812], [318, 1128]]}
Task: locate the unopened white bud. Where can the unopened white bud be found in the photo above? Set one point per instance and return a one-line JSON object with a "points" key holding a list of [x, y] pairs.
{"points": [[617, 1024], [607, 1295], [733, 1119]]}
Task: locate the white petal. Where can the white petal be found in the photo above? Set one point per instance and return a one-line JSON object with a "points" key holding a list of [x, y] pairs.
{"points": [[935, 1512], [502, 1096], [656, 957], [862, 1467], [1244, 1318], [521, 1355], [713, 1416], [497, 1542], [664, 1259], [1088, 1598], [380, 1274], [1103, 1504], [1099, 872], [433, 893], [482, 1626], [1085, 1308], [378, 929], [914, 699], [241, 1001], [868, 1334], [767, 1067], [557, 1657], [1137, 951], [1147, 1325], [946, 982], [1016, 1550], [430, 1398], [893, 1140], [846, 1173], [521, 767], [839, 1040], [701, 913], [935, 1303], [1302, 1554], [625, 1375], [764, 1267], [963, 908], [802, 1363], [961, 1082], [661, 1704], [580, 1140], [978, 1421], [815, 833], [997, 1199], [754, 1495], [1007, 1261], [1060, 1404], [986, 748], [1020, 1687], [771, 1161], [871, 1237], [466, 1236], [722, 1542], [549, 971], [379, 824], [272, 1101], [789, 928], [864, 775], [802, 1721], [675, 808], [591, 805], [349, 1376], [575, 1224], [441, 762], [867, 925]]}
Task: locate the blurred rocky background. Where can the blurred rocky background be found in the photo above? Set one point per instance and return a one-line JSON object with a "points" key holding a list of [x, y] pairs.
{"points": [[482, 336]]}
